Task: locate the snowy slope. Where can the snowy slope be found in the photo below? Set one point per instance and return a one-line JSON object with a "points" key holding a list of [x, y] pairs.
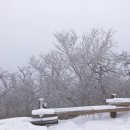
{"points": [[102, 122]]}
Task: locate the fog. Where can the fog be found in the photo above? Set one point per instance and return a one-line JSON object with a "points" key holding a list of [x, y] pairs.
{"points": [[27, 26]]}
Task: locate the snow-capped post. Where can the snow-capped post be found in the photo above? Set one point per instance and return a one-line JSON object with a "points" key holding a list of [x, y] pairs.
{"points": [[113, 114], [41, 103], [113, 95]]}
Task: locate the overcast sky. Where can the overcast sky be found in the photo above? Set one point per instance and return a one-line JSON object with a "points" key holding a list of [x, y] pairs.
{"points": [[27, 26]]}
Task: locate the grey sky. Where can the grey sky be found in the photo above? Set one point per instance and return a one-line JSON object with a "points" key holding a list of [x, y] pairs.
{"points": [[26, 26]]}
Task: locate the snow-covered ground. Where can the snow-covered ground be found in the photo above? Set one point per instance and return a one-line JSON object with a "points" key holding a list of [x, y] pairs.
{"points": [[92, 122]]}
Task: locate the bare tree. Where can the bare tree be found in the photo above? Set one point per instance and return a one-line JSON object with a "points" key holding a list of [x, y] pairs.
{"points": [[6, 82], [89, 59], [82, 70]]}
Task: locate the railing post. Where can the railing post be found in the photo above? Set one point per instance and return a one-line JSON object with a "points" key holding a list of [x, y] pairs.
{"points": [[113, 95], [41, 103], [113, 114]]}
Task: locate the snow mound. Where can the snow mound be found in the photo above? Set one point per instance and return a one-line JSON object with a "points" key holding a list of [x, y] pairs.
{"points": [[21, 126], [88, 122]]}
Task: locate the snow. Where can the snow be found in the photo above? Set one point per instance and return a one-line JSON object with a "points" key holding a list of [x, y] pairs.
{"points": [[26, 119], [41, 99], [21, 126], [21, 123], [102, 122], [114, 94], [42, 112]]}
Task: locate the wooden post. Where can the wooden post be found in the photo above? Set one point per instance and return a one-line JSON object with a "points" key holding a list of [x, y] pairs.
{"points": [[41, 103], [113, 114], [45, 105], [113, 95]]}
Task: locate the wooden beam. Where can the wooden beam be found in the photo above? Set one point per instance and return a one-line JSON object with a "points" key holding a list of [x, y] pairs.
{"points": [[88, 110], [119, 101], [44, 120]]}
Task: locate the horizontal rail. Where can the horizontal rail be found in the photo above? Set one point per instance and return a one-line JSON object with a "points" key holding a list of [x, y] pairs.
{"points": [[89, 110]]}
